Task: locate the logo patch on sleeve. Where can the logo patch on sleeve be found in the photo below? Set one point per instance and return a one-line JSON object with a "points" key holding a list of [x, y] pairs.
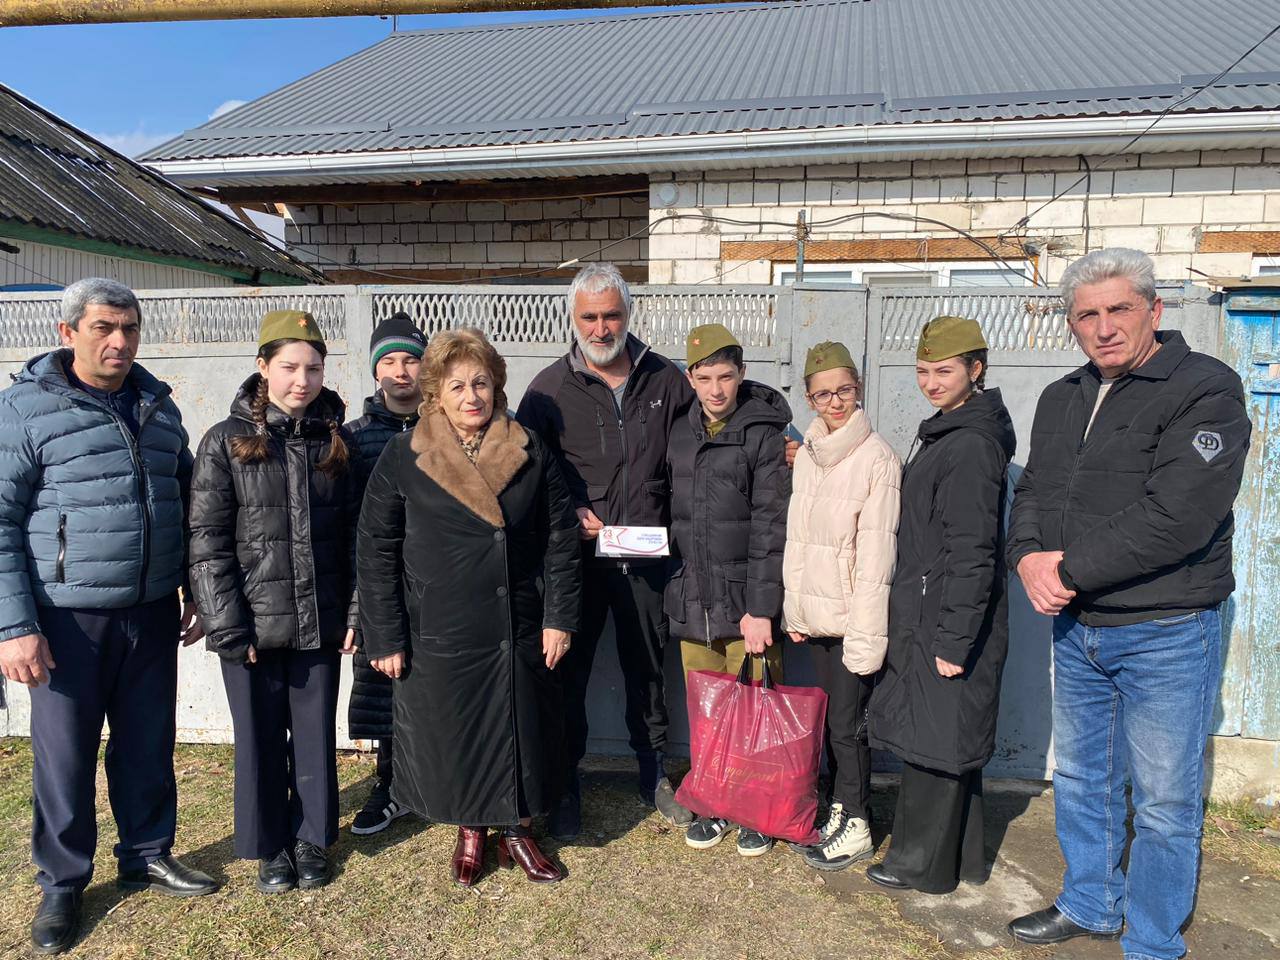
{"points": [[1208, 444]]}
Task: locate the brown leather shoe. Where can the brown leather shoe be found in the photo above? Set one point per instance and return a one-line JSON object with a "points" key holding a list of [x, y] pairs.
{"points": [[468, 855], [516, 845]]}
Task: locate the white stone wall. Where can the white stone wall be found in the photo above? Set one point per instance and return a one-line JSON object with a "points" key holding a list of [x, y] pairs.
{"points": [[43, 263], [477, 236], [1160, 203]]}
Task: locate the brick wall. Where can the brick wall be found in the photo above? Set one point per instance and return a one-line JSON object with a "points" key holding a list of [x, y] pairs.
{"points": [[1160, 203], [452, 240]]}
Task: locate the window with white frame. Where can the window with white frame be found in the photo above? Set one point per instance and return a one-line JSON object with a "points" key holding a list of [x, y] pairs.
{"points": [[1262, 267], [958, 273]]}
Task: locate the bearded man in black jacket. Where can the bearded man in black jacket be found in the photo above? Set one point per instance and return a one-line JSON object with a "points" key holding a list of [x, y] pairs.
{"points": [[606, 409], [1121, 530]]}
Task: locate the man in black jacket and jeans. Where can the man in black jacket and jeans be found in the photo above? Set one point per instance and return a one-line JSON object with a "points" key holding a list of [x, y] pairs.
{"points": [[606, 409], [1121, 530]]}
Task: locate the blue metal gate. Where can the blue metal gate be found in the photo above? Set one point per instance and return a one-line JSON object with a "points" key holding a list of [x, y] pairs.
{"points": [[1250, 703]]}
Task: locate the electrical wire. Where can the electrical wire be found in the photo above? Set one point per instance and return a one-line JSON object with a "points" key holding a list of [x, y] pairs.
{"points": [[1181, 101], [33, 272], [706, 218]]}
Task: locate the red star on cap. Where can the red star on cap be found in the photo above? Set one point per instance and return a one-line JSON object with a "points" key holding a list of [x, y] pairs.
{"points": [[697, 341], [302, 322]]}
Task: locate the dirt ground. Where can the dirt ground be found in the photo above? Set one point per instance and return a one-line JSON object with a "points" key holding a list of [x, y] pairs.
{"points": [[634, 889]]}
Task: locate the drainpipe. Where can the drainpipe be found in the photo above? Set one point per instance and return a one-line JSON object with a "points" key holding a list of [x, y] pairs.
{"points": [[35, 13]]}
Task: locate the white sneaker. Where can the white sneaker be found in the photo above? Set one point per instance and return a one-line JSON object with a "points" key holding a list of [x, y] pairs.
{"points": [[848, 845]]}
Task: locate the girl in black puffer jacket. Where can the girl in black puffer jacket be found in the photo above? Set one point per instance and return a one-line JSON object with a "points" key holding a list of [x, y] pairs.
{"points": [[274, 508]]}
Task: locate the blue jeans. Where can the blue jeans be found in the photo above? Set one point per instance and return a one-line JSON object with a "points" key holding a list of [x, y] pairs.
{"points": [[1132, 704]]}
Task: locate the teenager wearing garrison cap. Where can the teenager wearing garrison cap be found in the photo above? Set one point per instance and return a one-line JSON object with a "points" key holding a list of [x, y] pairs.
{"points": [[727, 458], [839, 559], [274, 506], [935, 705]]}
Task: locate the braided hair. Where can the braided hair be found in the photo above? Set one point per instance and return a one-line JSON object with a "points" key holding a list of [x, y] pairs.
{"points": [[257, 447]]}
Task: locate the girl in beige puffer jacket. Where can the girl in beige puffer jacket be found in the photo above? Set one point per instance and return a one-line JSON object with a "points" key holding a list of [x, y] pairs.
{"points": [[841, 546]]}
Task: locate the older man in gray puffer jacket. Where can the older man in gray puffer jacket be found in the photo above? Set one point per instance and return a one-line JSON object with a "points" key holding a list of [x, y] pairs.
{"points": [[94, 469]]}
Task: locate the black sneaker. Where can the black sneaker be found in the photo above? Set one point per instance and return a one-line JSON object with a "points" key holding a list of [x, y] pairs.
{"points": [[752, 843], [705, 832], [378, 812]]}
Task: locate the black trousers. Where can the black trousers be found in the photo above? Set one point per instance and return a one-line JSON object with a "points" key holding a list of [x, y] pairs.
{"points": [[635, 600], [283, 711], [937, 830], [848, 753], [384, 754], [121, 666]]}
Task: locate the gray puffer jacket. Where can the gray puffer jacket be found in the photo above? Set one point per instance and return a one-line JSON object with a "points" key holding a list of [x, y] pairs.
{"points": [[89, 515]]}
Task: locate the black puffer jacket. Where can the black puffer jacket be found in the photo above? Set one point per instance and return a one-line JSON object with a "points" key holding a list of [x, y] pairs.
{"points": [[729, 497], [272, 543], [948, 598], [616, 466], [1141, 507], [369, 711]]}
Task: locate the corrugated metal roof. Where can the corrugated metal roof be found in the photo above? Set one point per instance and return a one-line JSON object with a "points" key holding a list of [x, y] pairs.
{"points": [[54, 177], [797, 64]]}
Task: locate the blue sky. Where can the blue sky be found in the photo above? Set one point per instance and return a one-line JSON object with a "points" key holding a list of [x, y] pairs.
{"points": [[136, 85]]}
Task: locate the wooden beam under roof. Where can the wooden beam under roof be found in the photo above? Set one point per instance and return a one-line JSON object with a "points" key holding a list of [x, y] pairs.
{"points": [[455, 191]]}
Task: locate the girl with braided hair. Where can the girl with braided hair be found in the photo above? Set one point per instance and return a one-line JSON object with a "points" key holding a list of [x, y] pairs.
{"points": [[274, 508]]}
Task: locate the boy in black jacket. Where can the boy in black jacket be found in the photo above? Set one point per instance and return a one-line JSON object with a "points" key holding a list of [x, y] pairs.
{"points": [[730, 484]]}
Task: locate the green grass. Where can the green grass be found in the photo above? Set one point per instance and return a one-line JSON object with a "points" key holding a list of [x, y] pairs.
{"points": [[634, 890]]}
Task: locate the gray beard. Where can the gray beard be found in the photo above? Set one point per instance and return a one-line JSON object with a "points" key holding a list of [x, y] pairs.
{"points": [[601, 356]]}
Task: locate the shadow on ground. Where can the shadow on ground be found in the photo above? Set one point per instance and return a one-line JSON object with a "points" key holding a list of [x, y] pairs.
{"points": [[1237, 914]]}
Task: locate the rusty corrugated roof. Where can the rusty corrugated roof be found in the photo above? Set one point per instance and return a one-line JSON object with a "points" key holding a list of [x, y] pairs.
{"points": [[61, 182]]}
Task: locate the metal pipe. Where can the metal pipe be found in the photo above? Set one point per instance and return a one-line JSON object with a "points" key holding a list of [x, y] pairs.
{"points": [[33, 13]]}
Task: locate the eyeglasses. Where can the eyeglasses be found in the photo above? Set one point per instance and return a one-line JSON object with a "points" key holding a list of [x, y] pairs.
{"points": [[823, 397]]}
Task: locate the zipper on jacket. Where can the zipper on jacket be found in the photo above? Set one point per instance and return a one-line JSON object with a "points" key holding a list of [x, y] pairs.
{"points": [[139, 473], [706, 618], [61, 565], [1075, 463], [600, 429]]}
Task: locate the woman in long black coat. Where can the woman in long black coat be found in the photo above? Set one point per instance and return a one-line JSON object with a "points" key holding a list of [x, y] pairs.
{"points": [[936, 703], [468, 547]]}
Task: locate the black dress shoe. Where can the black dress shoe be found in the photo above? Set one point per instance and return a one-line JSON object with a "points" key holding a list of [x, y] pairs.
{"points": [[1050, 925], [313, 865], [276, 874], [56, 922], [170, 876], [879, 874]]}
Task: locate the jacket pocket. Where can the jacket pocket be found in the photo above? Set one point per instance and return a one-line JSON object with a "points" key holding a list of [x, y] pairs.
{"points": [[673, 597], [60, 568], [735, 590], [206, 591], [598, 494], [930, 598]]}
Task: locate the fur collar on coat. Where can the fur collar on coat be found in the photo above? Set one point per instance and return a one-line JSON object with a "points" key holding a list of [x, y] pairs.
{"points": [[476, 486]]}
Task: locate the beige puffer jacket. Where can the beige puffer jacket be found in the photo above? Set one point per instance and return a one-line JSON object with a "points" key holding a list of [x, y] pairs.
{"points": [[842, 541]]}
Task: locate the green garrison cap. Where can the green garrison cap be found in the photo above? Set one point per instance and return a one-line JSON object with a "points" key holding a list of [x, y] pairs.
{"points": [[828, 355], [945, 337], [289, 325], [705, 340]]}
